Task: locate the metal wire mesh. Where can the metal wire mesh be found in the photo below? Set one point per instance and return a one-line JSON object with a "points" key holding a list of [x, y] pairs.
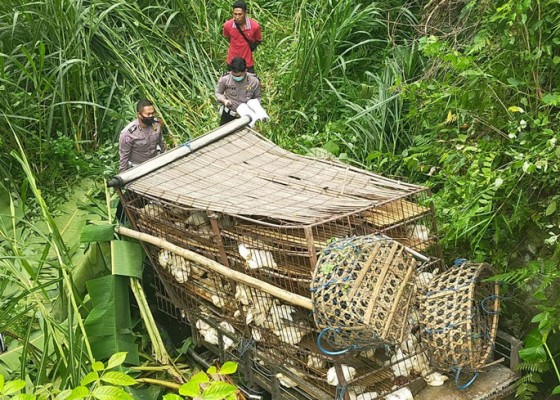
{"points": [[268, 249], [260, 210]]}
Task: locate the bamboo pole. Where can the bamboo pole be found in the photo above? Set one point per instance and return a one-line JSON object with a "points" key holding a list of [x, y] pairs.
{"points": [[292, 298]]}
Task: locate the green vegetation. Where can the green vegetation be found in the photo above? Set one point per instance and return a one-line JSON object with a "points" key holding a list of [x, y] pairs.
{"points": [[461, 96]]}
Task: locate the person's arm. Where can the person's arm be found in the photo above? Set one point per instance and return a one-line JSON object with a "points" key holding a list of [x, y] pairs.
{"points": [[225, 31], [257, 92], [161, 142], [219, 93], [125, 148]]}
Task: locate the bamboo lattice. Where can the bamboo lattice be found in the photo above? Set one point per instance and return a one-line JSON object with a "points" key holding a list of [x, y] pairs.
{"points": [[362, 290], [459, 317]]}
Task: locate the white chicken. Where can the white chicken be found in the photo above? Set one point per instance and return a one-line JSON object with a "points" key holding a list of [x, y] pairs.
{"points": [[152, 210], [419, 233], [218, 301], [257, 258], [435, 379], [348, 372], [424, 278], [367, 396], [210, 334], [401, 394], [410, 344], [287, 381], [199, 222], [403, 365], [163, 257], [292, 334], [256, 335], [316, 362], [179, 267]]}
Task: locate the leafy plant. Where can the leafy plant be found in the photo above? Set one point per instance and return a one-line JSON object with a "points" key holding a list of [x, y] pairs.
{"points": [[209, 385]]}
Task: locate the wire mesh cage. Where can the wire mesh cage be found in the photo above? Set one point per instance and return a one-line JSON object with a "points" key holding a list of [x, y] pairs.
{"points": [[257, 208], [459, 317], [362, 291]]}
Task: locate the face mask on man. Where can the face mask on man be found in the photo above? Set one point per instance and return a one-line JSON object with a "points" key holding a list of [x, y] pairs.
{"points": [[238, 78], [148, 120]]}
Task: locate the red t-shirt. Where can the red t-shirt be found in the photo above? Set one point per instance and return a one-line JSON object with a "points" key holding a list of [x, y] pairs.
{"points": [[238, 46]]}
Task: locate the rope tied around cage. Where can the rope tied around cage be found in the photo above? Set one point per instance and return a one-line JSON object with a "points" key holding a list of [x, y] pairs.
{"points": [[457, 379]]}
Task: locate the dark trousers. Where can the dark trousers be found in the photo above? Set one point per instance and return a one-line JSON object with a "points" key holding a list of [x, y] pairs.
{"points": [[120, 214], [226, 117]]}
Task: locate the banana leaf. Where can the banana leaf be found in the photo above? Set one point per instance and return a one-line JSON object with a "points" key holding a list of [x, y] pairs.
{"points": [[108, 325], [127, 258]]}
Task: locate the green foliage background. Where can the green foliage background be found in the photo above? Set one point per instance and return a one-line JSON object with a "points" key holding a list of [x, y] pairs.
{"points": [[461, 96]]}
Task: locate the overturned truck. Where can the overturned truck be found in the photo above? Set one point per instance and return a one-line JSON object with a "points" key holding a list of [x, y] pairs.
{"points": [[323, 281]]}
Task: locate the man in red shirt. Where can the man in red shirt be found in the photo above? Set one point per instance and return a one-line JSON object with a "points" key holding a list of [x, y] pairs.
{"points": [[244, 35]]}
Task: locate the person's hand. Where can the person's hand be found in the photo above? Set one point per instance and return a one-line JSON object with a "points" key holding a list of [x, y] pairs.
{"points": [[227, 103]]}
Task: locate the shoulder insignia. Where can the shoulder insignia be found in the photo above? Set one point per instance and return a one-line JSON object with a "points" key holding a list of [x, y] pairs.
{"points": [[132, 129]]}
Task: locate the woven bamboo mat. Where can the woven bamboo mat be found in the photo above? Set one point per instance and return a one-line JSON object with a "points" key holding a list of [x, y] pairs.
{"points": [[244, 174]]}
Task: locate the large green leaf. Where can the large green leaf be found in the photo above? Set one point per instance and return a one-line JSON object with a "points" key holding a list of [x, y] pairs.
{"points": [[10, 360], [127, 258], [218, 390], [95, 264], [103, 232], [9, 216], [108, 325]]}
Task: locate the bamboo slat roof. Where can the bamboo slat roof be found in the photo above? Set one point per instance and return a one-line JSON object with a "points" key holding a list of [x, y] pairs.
{"points": [[245, 174]]}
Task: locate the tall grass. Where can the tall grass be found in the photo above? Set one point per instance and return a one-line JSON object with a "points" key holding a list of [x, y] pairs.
{"points": [[332, 38], [32, 272], [74, 70]]}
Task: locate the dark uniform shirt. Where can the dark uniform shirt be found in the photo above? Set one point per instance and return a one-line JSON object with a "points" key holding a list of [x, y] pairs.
{"points": [[238, 92], [138, 144]]}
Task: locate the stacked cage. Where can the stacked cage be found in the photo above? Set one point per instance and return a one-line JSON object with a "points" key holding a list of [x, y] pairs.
{"points": [[284, 256], [269, 214]]}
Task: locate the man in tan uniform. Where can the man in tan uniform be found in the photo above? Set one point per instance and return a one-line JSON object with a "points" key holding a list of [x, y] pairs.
{"points": [[141, 139], [236, 87]]}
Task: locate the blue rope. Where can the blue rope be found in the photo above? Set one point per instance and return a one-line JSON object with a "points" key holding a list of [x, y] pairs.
{"points": [[466, 385], [459, 261], [328, 352], [245, 345], [483, 306], [341, 391], [188, 145]]}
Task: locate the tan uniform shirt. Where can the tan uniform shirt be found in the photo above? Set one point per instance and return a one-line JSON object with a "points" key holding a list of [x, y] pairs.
{"points": [[238, 92], [138, 144]]}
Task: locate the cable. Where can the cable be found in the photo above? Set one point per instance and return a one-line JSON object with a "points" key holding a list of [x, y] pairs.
{"points": [[466, 385]]}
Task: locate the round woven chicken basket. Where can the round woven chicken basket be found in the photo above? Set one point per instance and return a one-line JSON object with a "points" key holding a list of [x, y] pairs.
{"points": [[362, 289], [459, 318]]}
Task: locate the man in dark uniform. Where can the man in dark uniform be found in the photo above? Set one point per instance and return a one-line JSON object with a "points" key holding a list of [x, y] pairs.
{"points": [[244, 35], [139, 141], [236, 87]]}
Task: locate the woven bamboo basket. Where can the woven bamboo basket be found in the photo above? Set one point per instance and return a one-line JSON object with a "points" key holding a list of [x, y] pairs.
{"points": [[459, 317], [362, 289]]}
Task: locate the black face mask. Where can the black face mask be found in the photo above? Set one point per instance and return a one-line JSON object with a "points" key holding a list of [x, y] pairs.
{"points": [[148, 120]]}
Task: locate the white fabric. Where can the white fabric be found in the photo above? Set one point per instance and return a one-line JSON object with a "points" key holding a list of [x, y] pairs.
{"points": [[254, 110]]}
